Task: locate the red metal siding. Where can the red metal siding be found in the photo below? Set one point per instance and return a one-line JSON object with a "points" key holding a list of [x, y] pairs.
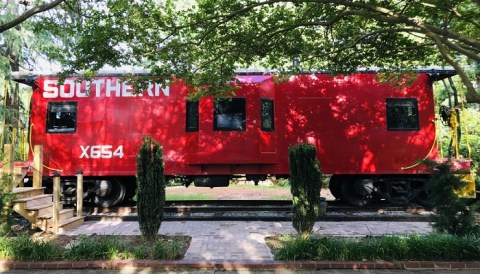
{"points": [[344, 116]]}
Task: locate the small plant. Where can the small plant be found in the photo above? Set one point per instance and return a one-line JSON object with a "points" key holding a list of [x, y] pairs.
{"points": [[283, 182], [6, 197], [92, 248], [24, 248], [306, 183], [454, 214], [151, 187], [98, 247], [439, 247]]}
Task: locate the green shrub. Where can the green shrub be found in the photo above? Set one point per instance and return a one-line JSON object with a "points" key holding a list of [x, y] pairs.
{"points": [[91, 248], [159, 250], [24, 248], [297, 248], [306, 183], [6, 197], [438, 247], [454, 215], [94, 247], [150, 187]]}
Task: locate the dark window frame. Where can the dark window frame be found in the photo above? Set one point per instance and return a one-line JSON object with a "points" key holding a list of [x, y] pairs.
{"points": [[270, 113], [229, 104], [191, 123], [52, 123], [400, 106]]}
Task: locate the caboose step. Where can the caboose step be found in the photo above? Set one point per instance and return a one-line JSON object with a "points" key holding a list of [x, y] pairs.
{"points": [[41, 210], [46, 220], [37, 207], [20, 169], [70, 224], [35, 200], [24, 192]]}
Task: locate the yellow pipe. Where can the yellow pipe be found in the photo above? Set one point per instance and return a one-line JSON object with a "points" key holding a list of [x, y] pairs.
{"points": [[429, 152], [31, 148]]}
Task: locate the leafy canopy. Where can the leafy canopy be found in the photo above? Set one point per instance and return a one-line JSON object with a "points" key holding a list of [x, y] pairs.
{"points": [[204, 41]]}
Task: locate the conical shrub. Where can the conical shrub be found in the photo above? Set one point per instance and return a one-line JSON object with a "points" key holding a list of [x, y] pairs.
{"points": [[306, 183], [150, 187]]}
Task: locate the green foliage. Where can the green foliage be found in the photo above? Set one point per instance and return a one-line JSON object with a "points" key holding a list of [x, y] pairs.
{"points": [[150, 187], [282, 182], [438, 247], [159, 250], [24, 248], [203, 42], [6, 197], [90, 248], [470, 119], [108, 247], [306, 183], [454, 214]]}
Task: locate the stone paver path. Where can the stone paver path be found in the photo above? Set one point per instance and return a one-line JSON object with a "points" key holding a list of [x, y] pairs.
{"points": [[245, 241]]}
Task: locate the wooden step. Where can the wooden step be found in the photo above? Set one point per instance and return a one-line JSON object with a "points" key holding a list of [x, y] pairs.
{"points": [[20, 169], [19, 172], [47, 220], [24, 192], [35, 200], [70, 224], [42, 210], [38, 207]]}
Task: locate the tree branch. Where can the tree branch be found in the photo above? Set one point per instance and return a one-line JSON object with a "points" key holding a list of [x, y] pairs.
{"points": [[29, 13], [471, 95]]}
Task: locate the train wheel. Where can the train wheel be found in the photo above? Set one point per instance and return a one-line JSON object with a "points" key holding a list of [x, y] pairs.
{"points": [[423, 196], [358, 192], [335, 186], [110, 192], [398, 192], [130, 187]]}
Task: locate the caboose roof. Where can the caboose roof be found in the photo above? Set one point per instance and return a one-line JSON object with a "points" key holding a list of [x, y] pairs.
{"points": [[27, 77]]}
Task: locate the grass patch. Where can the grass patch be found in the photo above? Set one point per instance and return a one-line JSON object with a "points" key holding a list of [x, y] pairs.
{"points": [[95, 247], [189, 196], [439, 247], [240, 191], [260, 187]]}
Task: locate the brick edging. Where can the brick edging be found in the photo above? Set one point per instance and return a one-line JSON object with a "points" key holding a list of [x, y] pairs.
{"points": [[238, 265]]}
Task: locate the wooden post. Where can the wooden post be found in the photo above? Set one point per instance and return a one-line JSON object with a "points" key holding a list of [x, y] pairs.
{"points": [[56, 201], [8, 163], [79, 193], [37, 166]]}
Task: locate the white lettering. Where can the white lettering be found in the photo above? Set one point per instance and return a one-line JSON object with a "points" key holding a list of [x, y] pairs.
{"points": [[67, 90], [166, 90], [149, 89], [98, 88], [84, 152], [101, 152], [106, 151], [95, 152], [127, 89], [118, 152], [79, 91], [109, 87], [50, 89]]}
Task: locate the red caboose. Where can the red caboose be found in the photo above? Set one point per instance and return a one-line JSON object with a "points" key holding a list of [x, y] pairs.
{"points": [[369, 136]]}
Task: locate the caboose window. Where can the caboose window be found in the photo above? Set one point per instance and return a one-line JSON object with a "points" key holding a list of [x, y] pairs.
{"points": [[267, 114], [62, 117], [229, 114], [192, 116], [402, 114]]}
